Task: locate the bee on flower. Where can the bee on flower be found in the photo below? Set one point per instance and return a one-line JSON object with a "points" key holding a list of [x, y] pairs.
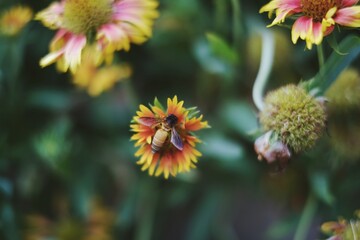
{"points": [[314, 18], [14, 20], [165, 137], [111, 24]]}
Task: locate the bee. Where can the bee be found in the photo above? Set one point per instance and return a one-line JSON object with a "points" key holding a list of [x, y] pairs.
{"points": [[165, 127]]}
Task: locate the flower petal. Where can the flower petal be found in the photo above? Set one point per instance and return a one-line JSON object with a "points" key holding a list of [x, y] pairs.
{"points": [[284, 8], [301, 28], [51, 58], [51, 17], [317, 33], [72, 52], [348, 3], [349, 16]]}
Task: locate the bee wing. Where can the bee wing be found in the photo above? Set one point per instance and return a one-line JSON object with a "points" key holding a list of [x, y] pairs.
{"points": [[148, 121], [176, 140]]}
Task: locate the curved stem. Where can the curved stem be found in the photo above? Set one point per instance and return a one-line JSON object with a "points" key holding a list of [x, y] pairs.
{"points": [[306, 217], [267, 58], [320, 52]]}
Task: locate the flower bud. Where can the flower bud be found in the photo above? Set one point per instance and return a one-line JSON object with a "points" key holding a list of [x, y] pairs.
{"points": [[295, 117], [271, 149]]}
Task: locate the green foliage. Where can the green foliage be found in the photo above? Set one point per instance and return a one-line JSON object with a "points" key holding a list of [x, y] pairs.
{"points": [[350, 49], [320, 183], [62, 150], [221, 49]]}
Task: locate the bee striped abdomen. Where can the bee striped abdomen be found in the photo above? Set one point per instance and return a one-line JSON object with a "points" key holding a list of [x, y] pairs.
{"points": [[159, 140]]}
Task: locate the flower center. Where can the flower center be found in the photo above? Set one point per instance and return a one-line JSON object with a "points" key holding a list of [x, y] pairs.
{"points": [[83, 16], [317, 9]]}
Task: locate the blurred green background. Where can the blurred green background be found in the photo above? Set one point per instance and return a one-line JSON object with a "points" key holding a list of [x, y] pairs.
{"points": [[67, 166]]}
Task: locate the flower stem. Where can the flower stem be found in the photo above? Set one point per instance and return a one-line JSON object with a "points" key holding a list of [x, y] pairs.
{"points": [[237, 29], [267, 57], [320, 53], [147, 220], [306, 217], [220, 14]]}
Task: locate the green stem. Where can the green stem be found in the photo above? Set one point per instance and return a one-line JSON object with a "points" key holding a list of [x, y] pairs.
{"points": [[320, 52], [220, 14], [147, 220], [306, 217], [15, 50], [237, 29]]}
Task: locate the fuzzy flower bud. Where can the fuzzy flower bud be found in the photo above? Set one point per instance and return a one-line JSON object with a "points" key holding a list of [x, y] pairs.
{"points": [[295, 116]]}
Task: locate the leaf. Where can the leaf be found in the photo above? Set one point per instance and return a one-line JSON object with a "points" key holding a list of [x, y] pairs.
{"points": [[321, 187], [222, 149], [158, 104], [334, 44], [192, 112], [53, 144], [221, 49], [241, 117], [335, 65], [208, 61]]}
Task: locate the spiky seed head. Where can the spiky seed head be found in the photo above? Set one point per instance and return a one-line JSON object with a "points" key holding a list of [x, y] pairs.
{"points": [[295, 116]]}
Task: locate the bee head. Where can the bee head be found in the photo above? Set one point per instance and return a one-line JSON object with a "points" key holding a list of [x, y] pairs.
{"points": [[171, 120]]}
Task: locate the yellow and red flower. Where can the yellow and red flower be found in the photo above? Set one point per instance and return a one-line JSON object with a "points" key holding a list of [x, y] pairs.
{"points": [[13, 20], [97, 79], [169, 159], [342, 229], [111, 24], [315, 19]]}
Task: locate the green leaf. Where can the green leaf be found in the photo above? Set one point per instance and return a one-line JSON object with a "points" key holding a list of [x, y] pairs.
{"points": [[334, 44], [335, 65], [53, 144], [321, 187], [193, 112], [221, 49], [158, 104], [223, 149], [241, 117]]}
